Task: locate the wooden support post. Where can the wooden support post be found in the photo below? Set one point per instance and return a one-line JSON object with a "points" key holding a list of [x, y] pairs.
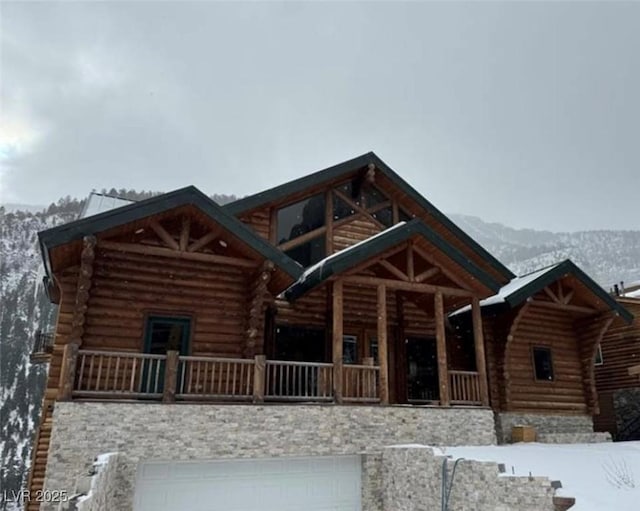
{"points": [[337, 340], [68, 371], [170, 377], [184, 233], [441, 341], [382, 345], [410, 265], [260, 364], [478, 339]]}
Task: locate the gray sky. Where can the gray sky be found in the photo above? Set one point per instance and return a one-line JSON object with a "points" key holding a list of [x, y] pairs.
{"points": [[523, 113]]}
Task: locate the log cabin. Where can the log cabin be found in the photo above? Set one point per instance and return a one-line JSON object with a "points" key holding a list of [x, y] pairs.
{"points": [[617, 369], [329, 316]]}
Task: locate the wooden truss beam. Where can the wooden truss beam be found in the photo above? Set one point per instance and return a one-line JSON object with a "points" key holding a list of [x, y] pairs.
{"points": [[405, 286], [167, 252], [164, 235]]}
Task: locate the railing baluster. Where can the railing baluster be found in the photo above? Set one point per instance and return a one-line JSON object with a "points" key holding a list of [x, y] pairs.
{"points": [[81, 377], [100, 358], [235, 367], [133, 374], [89, 380]]}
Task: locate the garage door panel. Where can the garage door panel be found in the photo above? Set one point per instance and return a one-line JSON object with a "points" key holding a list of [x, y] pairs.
{"points": [[330, 483]]}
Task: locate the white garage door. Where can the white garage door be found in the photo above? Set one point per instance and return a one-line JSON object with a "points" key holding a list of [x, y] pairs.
{"points": [[330, 483]]}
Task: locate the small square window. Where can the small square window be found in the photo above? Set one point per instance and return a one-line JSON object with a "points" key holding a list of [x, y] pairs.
{"points": [[599, 359], [543, 364]]}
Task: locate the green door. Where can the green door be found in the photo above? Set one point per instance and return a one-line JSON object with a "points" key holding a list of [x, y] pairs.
{"points": [[163, 333]]}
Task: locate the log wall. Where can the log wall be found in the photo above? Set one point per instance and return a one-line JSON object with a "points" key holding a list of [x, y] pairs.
{"points": [[128, 287], [554, 329], [620, 349]]}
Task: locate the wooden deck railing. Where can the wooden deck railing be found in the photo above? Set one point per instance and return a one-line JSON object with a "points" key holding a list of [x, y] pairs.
{"points": [[215, 378], [465, 387], [117, 374], [298, 381], [361, 383], [121, 375]]}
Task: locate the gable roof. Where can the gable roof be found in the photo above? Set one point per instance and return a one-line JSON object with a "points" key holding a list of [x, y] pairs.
{"points": [[351, 256], [190, 195], [521, 288], [348, 167]]}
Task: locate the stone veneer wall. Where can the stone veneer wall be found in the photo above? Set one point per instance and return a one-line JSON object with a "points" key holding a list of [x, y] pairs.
{"points": [[138, 431], [550, 428], [412, 479]]}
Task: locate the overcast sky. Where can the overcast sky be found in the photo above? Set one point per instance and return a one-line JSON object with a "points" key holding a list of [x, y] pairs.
{"points": [[523, 113]]}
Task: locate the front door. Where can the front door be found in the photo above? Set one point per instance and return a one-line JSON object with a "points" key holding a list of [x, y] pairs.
{"points": [[422, 370], [163, 333]]}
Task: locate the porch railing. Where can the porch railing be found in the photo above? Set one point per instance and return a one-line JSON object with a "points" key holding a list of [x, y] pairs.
{"points": [[215, 378], [298, 381], [124, 375], [119, 374], [465, 387], [361, 383]]}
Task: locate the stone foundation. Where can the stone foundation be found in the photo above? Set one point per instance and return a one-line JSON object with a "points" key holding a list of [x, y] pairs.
{"points": [[138, 431], [412, 481], [550, 428]]}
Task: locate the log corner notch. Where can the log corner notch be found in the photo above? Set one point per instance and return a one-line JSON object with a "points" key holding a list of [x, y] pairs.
{"points": [[590, 331], [82, 291], [255, 314]]}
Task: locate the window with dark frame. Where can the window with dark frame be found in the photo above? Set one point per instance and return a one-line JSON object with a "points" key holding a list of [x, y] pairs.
{"points": [[543, 364], [599, 360]]}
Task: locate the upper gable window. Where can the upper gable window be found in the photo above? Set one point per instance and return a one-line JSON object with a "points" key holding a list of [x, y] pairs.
{"points": [[350, 196], [300, 218]]}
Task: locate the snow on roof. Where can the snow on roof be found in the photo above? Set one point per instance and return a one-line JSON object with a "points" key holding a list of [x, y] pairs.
{"points": [[324, 261], [99, 203], [632, 294], [508, 289]]}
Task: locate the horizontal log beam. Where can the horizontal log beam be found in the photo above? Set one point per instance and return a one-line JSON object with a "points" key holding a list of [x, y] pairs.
{"points": [[405, 286], [564, 307], [177, 254], [301, 240]]}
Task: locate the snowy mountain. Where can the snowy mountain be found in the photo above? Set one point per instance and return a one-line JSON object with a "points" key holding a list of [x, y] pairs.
{"points": [[609, 256]]}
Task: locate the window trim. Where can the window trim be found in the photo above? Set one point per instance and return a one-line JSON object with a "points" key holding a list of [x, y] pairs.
{"points": [[533, 364]]}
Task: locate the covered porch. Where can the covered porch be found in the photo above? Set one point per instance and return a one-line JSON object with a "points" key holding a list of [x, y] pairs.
{"points": [[369, 324]]}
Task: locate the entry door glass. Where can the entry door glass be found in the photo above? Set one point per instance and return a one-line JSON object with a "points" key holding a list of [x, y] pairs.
{"points": [[350, 349], [422, 370], [373, 348], [167, 334], [162, 334]]}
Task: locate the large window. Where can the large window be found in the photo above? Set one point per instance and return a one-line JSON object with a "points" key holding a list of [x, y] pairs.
{"points": [[299, 219], [543, 364]]}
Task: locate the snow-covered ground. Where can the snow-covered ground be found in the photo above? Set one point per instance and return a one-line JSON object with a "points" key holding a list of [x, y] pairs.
{"points": [[601, 477]]}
